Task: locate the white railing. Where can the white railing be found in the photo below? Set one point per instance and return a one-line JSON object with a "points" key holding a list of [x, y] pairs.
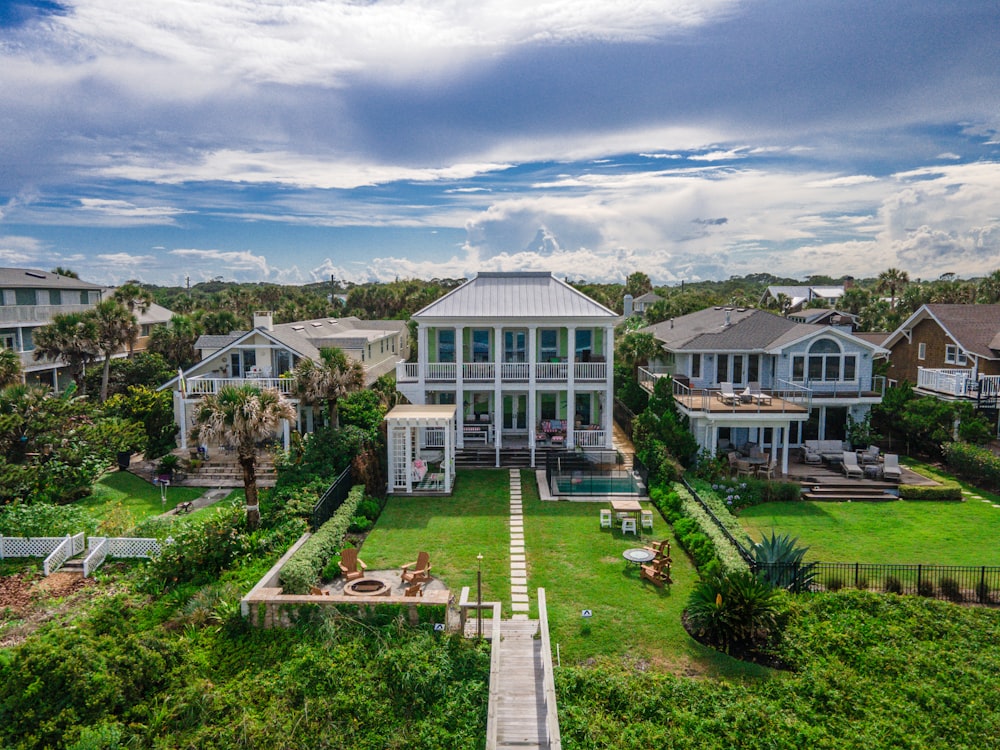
{"points": [[124, 546], [548, 676], [441, 370], [37, 313], [989, 385], [58, 556], [478, 371], [99, 547], [651, 373], [950, 382], [29, 546], [590, 370], [551, 371], [589, 438], [204, 386], [514, 371]]}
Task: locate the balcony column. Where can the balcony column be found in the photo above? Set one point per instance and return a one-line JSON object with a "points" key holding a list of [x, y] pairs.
{"points": [[570, 386], [608, 413], [532, 389], [498, 391], [423, 357], [459, 370]]}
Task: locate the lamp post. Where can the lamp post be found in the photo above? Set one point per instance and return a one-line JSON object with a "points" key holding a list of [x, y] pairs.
{"points": [[479, 597]]}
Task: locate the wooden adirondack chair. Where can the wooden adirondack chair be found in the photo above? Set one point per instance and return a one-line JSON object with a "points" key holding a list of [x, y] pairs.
{"points": [[658, 572], [417, 572], [351, 565], [661, 550]]}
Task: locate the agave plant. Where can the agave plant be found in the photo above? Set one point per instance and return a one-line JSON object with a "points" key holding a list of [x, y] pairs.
{"points": [[779, 560], [734, 610]]}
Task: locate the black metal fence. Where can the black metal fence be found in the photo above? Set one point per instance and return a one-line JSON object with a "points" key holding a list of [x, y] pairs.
{"points": [[332, 499], [623, 416], [956, 583]]}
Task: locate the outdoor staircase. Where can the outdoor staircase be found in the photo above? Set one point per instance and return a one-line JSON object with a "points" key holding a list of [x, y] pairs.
{"points": [[845, 490], [223, 470]]}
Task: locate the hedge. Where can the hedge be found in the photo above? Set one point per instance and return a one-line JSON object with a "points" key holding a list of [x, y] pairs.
{"points": [[303, 569], [949, 492], [977, 465]]}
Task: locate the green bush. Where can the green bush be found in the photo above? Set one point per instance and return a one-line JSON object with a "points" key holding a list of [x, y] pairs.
{"points": [[303, 569], [735, 610], [949, 492], [893, 585], [44, 519], [977, 465]]}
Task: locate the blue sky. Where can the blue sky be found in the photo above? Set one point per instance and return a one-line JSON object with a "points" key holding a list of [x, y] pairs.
{"points": [[699, 139]]}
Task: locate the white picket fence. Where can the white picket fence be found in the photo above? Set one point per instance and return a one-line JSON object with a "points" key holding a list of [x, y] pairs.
{"points": [[58, 549]]}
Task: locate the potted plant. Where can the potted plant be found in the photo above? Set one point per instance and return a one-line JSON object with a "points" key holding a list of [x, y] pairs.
{"points": [[167, 466]]}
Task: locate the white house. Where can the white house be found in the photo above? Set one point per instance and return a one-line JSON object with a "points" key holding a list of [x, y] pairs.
{"points": [[267, 355], [526, 358], [792, 381]]}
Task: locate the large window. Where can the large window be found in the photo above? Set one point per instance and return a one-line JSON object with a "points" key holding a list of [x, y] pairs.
{"points": [[547, 406], [584, 344], [25, 297], [695, 365], [55, 297], [721, 368], [514, 346], [446, 345], [481, 345], [825, 362], [548, 344]]}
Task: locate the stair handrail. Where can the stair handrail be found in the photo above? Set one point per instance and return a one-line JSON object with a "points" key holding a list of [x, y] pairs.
{"points": [[99, 548], [58, 556], [548, 677]]}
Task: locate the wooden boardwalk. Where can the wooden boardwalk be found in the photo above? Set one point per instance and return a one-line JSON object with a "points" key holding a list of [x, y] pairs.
{"points": [[520, 710]]}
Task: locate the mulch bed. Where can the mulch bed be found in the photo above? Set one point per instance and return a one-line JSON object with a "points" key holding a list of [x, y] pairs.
{"points": [[743, 653]]}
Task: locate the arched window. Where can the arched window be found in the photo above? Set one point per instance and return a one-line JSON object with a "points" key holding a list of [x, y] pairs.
{"points": [[825, 362]]}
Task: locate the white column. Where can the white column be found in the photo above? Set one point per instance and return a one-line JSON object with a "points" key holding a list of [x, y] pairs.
{"points": [[181, 411], [285, 434], [498, 391], [608, 416], [423, 357], [570, 386], [784, 448]]}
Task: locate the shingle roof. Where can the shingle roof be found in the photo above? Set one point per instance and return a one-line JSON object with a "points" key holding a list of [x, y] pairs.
{"points": [[515, 295], [11, 278], [976, 328]]}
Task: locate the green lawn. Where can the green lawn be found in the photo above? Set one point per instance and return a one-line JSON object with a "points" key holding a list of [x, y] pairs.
{"points": [[906, 532], [137, 497], [578, 564]]}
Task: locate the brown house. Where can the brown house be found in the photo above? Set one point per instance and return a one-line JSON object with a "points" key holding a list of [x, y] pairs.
{"points": [[949, 351]]}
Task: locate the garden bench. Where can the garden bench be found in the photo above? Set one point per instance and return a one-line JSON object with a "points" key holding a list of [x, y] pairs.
{"points": [[185, 507]]}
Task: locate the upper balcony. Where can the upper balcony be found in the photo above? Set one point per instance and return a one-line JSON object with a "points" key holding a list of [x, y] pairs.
{"points": [[957, 383], [507, 372], [37, 313], [204, 386]]}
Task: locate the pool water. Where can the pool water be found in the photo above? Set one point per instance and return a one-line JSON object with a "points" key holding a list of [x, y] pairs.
{"points": [[597, 485]]}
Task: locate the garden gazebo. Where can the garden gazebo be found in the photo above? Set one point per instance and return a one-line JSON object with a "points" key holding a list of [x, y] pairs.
{"points": [[421, 447]]}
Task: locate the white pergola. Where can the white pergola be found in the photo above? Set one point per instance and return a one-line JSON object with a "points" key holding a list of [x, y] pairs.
{"points": [[421, 432]]}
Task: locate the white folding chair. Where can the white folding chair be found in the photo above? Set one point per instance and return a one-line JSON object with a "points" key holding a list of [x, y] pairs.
{"points": [[605, 518], [628, 525]]}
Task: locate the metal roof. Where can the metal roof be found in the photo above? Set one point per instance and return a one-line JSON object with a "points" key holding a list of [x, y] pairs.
{"points": [[523, 294], [11, 278]]}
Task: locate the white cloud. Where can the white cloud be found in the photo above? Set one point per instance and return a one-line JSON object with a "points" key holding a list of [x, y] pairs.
{"points": [[125, 213]]}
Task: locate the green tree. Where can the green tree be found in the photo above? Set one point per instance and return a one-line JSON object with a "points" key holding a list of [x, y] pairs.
{"points": [[175, 341], [68, 273], [892, 280], [636, 349], [243, 416], [362, 409], [137, 300], [326, 381], [115, 327], [71, 337], [153, 409], [10, 367], [638, 284], [734, 612]]}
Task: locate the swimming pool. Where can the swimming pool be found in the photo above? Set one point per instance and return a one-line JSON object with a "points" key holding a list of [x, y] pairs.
{"points": [[597, 485]]}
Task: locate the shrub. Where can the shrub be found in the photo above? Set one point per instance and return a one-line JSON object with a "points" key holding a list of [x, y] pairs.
{"points": [[983, 592], [948, 492], [892, 585], [951, 589], [978, 465], [303, 569], [780, 562], [834, 583], [360, 524], [925, 588], [44, 519], [695, 531], [734, 610]]}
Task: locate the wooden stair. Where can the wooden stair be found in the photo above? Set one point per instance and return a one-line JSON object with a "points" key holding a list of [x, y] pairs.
{"points": [[840, 491]]}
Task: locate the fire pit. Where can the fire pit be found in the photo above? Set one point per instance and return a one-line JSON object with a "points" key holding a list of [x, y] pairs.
{"points": [[367, 587]]}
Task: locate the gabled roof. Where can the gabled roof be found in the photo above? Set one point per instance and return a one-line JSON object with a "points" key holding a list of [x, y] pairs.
{"points": [[648, 297], [975, 328], [799, 295], [524, 294], [722, 329], [11, 278]]}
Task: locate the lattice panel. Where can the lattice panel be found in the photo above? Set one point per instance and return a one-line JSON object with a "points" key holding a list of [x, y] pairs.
{"points": [[133, 547], [59, 555], [29, 546], [399, 439], [99, 547]]}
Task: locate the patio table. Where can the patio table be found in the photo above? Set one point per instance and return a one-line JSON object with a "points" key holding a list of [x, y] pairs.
{"points": [[638, 555], [630, 507]]}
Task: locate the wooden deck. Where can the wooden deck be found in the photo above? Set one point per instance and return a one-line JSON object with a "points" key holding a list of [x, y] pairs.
{"points": [[707, 401]]}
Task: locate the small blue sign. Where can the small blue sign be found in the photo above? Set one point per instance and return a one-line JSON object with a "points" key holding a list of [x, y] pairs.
{"points": [[587, 613]]}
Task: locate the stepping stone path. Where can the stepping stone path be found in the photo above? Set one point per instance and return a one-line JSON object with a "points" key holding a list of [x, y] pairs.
{"points": [[518, 559]]}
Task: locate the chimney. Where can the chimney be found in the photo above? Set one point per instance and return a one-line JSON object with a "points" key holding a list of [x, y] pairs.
{"points": [[628, 306], [848, 282], [728, 317], [263, 319]]}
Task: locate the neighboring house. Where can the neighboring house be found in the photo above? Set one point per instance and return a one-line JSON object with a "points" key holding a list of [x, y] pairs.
{"points": [[30, 299], [826, 317], [645, 301], [811, 377], [526, 358], [949, 351], [267, 355], [798, 296], [148, 319]]}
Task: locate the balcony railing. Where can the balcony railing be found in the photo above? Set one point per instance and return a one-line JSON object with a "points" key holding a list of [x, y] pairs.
{"points": [[949, 382], [783, 397], [37, 313], [446, 372], [203, 386]]}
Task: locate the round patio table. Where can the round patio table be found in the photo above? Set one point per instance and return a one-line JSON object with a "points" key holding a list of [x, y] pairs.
{"points": [[638, 556]]}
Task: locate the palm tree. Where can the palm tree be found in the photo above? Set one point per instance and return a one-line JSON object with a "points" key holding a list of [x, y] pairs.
{"points": [[175, 341], [10, 367], [327, 380], [636, 349], [72, 337], [116, 326], [244, 415], [892, 280], [134, 297]]}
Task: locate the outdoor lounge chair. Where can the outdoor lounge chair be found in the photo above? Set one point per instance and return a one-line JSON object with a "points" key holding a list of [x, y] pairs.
{"points": [[728, 395], [417, 572], [869, 455], [890, 469], [756, 394], [416, 589], [851, 467], [661, 550], [658, 571], [351, 565]]}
